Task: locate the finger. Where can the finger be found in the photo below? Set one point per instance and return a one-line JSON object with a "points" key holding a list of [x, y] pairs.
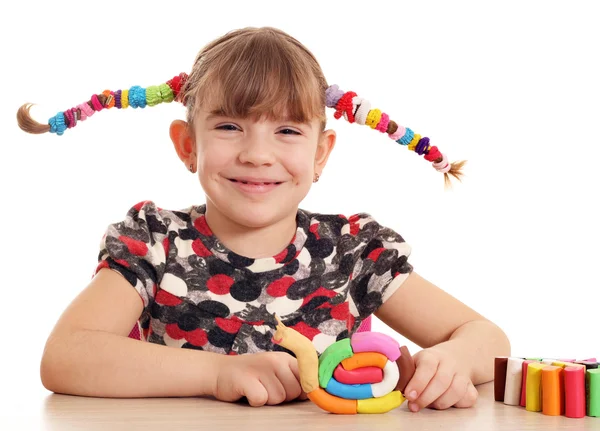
{"points": [[275, 389], [255, 392], [406, 367], [470, 397], [426, 367], [290, 380], [456, 391], [296, 371], [437, 386]]}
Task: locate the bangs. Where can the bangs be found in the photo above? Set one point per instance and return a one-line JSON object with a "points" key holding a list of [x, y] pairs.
{"points": [[264, 77]]}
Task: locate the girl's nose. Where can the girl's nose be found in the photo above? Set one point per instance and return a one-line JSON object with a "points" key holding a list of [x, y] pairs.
{"points": [[257, 150]]}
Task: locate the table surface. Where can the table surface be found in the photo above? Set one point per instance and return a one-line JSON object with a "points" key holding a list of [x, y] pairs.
{"points": [[63, 412]]}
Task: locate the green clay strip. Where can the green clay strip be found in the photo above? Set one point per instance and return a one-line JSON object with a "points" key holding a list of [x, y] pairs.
{"points": [[331, 357]]}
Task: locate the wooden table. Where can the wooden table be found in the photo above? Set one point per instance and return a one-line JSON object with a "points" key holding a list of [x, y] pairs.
{"points": [[61, 412]]}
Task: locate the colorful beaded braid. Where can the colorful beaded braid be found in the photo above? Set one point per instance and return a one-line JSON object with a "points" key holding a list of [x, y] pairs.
{"points": [[136, 97], [348, 104], [355, 109]]}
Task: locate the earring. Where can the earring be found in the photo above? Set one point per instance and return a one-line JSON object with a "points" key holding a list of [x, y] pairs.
{"points": [[191, 168], [316, 178]]}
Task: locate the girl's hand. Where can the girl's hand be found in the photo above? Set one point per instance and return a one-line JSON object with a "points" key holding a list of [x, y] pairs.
{"points": [[263, 378], [439, 382]]}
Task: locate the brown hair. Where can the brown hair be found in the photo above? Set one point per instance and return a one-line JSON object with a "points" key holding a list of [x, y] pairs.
{"points": [[255, 72], [250, 72]]}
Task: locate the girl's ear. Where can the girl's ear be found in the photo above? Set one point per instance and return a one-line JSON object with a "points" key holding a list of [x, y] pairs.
{"points": [[324, 148], [183, 141]]}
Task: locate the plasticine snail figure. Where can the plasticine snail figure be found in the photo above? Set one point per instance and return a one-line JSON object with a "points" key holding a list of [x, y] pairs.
{"points": [[362, 374]]}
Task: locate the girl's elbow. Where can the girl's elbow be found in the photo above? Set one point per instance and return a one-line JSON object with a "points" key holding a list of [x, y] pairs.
{"points": [[503, 343], [49, 375], [53, 372]]}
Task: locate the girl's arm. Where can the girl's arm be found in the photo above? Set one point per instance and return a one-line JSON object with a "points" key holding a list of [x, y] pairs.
{"points": [[458, 342], [88, 352]]}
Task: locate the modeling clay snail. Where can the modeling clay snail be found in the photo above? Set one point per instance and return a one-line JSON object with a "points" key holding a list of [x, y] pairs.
{"points": [[362, 374]]}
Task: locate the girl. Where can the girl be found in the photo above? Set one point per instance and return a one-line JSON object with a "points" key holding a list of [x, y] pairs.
{"points": [[208, 279]]}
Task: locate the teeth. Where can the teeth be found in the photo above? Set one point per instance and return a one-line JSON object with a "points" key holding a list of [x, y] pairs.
{"points": [[256, 184]]}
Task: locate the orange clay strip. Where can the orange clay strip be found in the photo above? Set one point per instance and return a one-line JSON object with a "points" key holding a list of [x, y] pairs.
{"points": [[332, 403], [553, 402], [365, 359]]}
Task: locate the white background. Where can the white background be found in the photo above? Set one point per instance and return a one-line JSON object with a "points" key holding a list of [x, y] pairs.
{"points": [[512, 87]]}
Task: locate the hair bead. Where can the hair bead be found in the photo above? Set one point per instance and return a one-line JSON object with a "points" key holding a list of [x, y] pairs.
{"points": [[357, 109], [57, 124]]}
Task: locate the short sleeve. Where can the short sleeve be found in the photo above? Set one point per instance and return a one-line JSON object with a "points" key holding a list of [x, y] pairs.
{"points": [[380, 264], [134, 248]]}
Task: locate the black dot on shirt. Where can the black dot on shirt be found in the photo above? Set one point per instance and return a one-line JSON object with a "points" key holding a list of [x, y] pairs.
{"points": [[245, 290], [372, 245], [316, 317], [346, 264], [319, 248], [188, 322], [342, 335], [239, 261], [219, 338], [291, 252], [317, 267], [333, 280], [385, 261], [211, 309], [370, 302], [401, 265], [303, 288], [314, 303], [217, 266], [292, 267]]}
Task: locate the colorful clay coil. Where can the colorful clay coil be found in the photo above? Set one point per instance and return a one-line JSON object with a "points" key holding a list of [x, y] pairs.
{"points": [[362, 374], [341, 374]]}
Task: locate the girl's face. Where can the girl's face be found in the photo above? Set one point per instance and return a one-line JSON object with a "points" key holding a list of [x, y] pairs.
{"points": [[257, 172]]}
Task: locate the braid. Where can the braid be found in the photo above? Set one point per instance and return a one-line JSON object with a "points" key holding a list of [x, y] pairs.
{"points": [[358, 110], [136, 97]]}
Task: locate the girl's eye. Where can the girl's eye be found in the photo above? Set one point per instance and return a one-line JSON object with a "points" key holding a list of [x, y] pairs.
{"points": [[227, 127], [289, 130], [231, 127]]}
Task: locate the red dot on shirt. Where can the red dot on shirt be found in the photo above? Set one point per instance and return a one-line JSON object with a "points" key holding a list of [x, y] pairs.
{"points": [[314, 228], [122, 262], [374, 255], [231, 326], [200, 249], [202, 227], [166, 245], [340, 311], [174, 331], [219, 284], [197, 337], [139, 205], [280, 256], [321, 291], [165, 298], [139, 248], [306, 330], [279, 287]]}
